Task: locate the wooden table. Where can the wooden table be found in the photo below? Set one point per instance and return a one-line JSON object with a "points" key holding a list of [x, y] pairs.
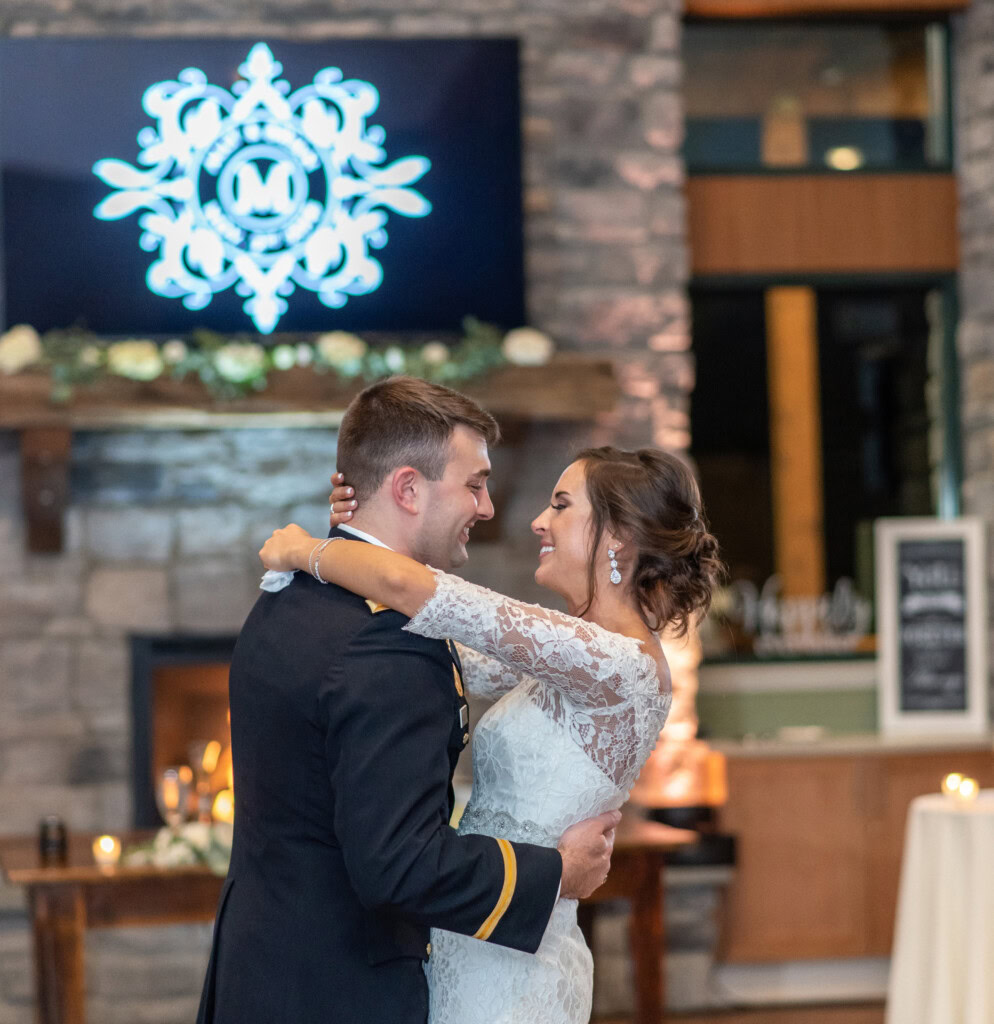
{"points": [[640, 850], [67, 898]]}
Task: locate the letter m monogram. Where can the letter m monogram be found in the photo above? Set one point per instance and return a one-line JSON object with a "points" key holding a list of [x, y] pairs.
{"points": [[254, 195]]}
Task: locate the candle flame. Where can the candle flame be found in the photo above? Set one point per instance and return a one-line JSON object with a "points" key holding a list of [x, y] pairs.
{"points": [[224, 806], [170, 793], [211, 754], [106, 851]]}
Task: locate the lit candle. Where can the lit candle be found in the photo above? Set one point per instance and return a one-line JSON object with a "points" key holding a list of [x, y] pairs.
{"points": [[951, 783], [967, 791], [170, 793], [224, 806], [106, 851], [211, 754]]}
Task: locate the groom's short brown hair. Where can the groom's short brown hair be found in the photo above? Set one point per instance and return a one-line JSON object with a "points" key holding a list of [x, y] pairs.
{"points": [[404, 421]]}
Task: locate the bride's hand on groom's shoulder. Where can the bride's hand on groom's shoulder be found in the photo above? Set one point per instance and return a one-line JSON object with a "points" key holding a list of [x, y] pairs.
{"points": [[341, 501], [586, 851], [287, 549]]}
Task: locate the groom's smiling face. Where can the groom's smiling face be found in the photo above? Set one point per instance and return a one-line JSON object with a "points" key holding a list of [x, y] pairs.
{"points": [[456, 502]]}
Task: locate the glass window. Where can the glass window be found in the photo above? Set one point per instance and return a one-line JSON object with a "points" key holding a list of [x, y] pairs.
{"points": [[880, 447], [840, 97]]}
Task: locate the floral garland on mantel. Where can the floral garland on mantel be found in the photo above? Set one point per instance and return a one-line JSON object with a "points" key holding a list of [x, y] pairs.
{"points": [[230, 368]]}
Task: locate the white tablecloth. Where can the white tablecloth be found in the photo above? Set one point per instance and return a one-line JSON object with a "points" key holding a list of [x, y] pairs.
{"points": [[942, 970]]}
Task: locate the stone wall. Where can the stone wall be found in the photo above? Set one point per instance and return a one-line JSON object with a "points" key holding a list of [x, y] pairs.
{"points": [[162, 536], [163, 527], [974, 83]]}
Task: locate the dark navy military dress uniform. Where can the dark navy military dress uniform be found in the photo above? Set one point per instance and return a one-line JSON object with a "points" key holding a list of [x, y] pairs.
{"points": [[345, 734]]}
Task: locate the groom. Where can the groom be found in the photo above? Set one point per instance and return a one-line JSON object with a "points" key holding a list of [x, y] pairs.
{"points": [[345, 734]]}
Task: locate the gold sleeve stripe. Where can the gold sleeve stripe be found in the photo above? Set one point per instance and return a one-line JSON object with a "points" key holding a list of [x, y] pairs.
{"points": [[455, 668], [506, 892]]}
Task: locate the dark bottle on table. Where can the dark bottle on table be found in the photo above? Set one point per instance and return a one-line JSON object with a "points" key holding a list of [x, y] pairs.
{"points": [[53, 843]]}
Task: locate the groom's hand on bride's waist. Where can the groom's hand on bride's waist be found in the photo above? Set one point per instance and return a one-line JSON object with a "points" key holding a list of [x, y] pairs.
{"points": [[586, 851]]}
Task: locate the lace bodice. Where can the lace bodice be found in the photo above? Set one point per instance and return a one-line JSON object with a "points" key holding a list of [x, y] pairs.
{"points": [[579, 712], [608, 695]]}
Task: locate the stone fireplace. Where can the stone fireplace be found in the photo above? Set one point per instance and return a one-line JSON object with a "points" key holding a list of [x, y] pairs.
{"points": [[179, 717], [130, 626]]}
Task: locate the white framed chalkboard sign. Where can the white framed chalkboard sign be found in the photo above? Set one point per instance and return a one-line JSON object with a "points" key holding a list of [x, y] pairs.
{"points": [[932, 626]]}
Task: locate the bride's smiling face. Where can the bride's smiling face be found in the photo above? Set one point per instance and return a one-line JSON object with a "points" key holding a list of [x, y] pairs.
{"points": [[564, 532]]}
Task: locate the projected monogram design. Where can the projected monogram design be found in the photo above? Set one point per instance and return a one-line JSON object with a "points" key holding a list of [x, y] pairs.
{"points": [[262, 189]]}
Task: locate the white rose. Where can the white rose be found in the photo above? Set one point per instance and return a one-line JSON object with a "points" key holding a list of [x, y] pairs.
{"points": [[284, 357], [19, 348], [139, 360], [197, 834], [176, 855], [435, 353], [89, 355], [341, 349], [394, 359], [163, 839], [174, 351], [239, 362], [525, 346]]}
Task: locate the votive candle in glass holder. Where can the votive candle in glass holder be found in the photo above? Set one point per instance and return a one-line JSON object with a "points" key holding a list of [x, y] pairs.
{"points": [[106, 851], [950, 784]]}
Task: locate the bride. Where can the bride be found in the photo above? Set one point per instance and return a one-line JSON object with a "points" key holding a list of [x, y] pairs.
{"points": [[582, 696]]}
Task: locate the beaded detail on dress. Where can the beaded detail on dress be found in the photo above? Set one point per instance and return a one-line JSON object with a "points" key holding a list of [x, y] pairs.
{"points": [[482, 821]]}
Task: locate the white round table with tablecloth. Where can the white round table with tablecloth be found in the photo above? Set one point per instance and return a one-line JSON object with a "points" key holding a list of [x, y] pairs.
{"points": [[942, 968]]}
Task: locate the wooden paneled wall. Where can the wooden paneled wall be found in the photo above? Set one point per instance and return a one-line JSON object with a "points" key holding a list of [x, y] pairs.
{"points": [[822, 224], [807, 8]]}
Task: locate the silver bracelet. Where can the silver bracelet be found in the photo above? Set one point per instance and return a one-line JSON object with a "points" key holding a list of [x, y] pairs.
{"points": [[314, 559]]}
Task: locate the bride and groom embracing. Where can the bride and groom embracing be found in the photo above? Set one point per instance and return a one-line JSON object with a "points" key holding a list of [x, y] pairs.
{"points": [[349, 898]]}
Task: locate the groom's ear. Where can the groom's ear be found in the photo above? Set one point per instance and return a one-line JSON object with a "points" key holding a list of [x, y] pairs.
{"points": [[405, 489]]}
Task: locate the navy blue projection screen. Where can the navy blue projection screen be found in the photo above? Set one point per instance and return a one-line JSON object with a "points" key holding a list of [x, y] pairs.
{"points": [[157, 186]]}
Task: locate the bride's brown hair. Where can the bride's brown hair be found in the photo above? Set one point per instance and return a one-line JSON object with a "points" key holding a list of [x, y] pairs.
{"points": [[650, 499]]}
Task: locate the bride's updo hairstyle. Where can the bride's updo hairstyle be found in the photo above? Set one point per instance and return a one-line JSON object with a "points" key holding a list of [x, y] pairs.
{"points": [[651, 499]]}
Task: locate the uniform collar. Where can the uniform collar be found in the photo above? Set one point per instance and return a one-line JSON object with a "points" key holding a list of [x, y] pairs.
{"points": [[362, 535]]}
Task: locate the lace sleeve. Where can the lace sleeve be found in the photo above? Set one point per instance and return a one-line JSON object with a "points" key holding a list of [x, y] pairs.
{"points": [[485, 676], [610, 694]]}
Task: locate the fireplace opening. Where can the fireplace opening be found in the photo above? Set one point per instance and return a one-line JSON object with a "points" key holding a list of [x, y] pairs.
{"points": [[179, 708]]}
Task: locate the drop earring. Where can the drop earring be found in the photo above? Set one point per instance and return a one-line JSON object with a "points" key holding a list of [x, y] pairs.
{"points": [[615, 575]]}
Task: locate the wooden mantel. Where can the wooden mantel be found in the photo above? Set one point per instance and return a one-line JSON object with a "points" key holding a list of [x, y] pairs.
{"points": [[571, 387]]}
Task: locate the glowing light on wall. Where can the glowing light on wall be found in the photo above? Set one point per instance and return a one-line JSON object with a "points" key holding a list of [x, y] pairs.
{"points": [[262, 190], [845, 158]]}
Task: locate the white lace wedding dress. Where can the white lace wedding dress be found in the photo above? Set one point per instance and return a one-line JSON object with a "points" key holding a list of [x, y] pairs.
{"points": [[580, 710]]}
